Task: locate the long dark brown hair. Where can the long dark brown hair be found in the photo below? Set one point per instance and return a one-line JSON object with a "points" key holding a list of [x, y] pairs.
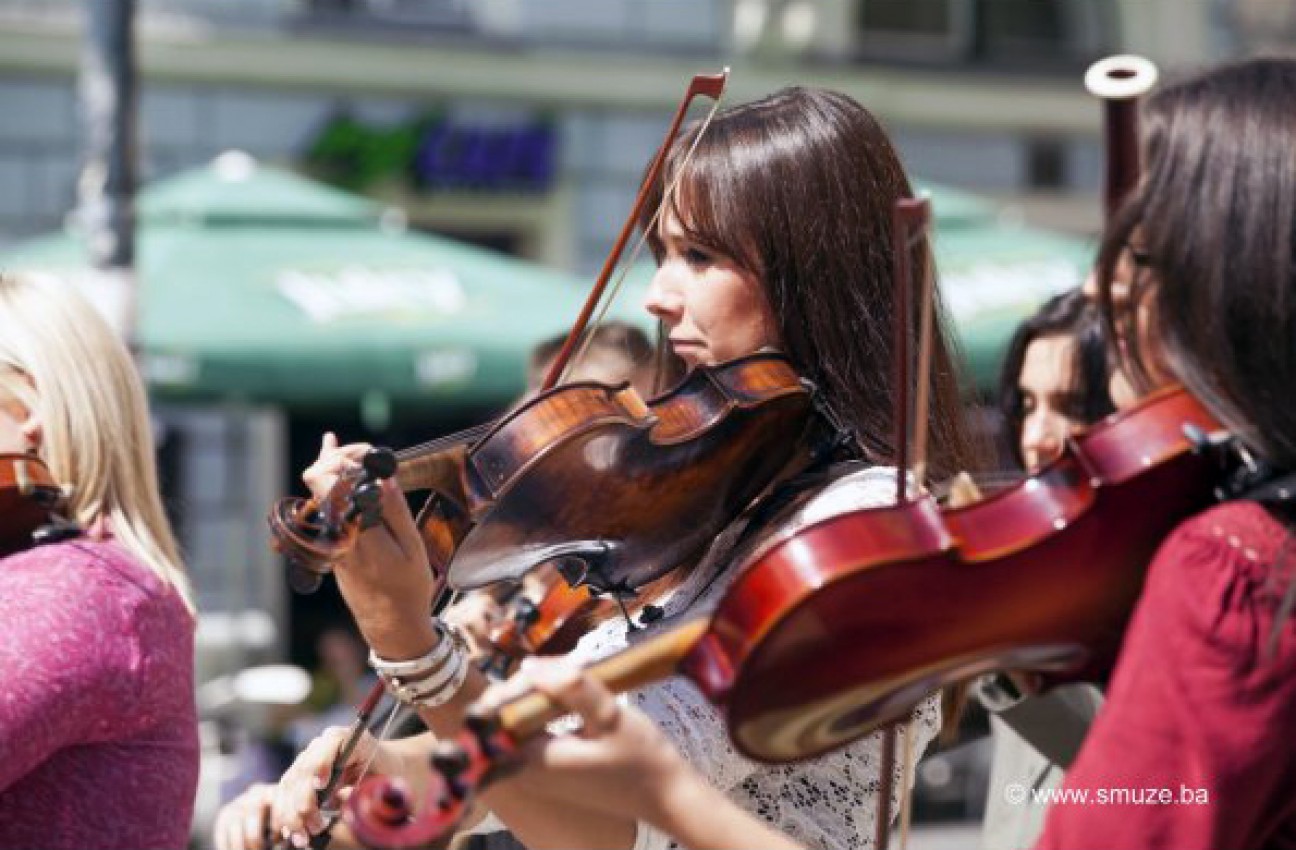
{"points": [[1213, 223], [1214, 219], [1073, 315], [797, 188]]}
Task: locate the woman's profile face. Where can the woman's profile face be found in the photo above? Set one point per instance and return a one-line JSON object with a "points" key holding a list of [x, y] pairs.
{"points": [[1133, 262], [712, 310], [1049, 406]]}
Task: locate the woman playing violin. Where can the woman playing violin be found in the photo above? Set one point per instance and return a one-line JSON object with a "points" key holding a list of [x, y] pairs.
{"points": [[1193, 747], [1204, 694], [774, 233], [97, 724]]}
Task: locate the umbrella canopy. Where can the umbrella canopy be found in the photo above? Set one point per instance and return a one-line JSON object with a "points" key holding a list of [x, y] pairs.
{"points": [[256, 283]]}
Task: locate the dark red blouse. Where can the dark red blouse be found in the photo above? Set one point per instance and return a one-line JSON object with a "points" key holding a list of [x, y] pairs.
{"points": [[1196, 705]]}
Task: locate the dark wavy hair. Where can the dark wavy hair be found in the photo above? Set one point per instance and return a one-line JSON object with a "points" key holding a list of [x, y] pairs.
{"points": [[1215, 213], [798, 188], [1073, 315]]}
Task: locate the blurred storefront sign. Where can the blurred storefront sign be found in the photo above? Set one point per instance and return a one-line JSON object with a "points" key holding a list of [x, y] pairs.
{"points": [[436, 153]]}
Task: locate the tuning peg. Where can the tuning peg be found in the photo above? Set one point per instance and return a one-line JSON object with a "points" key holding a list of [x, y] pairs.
{"points": [[380, 463], [450, 760], [55, 531]]}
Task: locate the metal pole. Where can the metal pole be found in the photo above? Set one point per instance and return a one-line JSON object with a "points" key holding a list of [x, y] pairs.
{"points": [[107, 186]]}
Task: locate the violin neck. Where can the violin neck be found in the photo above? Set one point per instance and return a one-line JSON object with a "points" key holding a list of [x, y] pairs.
{"points": [[648, 661], [432, 471]]}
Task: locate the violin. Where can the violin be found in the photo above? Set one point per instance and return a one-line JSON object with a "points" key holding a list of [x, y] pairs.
{"points": [[617, 490], [547, 622], [29, 502]]}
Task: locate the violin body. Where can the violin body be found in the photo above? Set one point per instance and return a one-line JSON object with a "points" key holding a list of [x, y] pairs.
{"points": [[871, 611], [29, 497], [546, 620], [615, 491], [618, 493]]}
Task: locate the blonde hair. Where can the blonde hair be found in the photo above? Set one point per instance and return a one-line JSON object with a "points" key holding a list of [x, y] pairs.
{"points": [[61, 360]]}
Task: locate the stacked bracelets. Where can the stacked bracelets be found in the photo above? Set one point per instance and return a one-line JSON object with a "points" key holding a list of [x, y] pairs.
{"points": [[432, 679]]}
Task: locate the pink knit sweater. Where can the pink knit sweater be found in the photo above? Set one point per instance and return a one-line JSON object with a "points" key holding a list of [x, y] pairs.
{"points": [[98, 735]]}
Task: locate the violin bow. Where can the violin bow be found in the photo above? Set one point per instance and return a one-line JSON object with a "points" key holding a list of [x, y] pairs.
{"points": [[364, 713], [1119, 81], [707, 85], [909, 216]]}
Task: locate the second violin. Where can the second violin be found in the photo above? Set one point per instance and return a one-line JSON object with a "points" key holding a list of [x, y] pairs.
{"points": [[29, 500]]}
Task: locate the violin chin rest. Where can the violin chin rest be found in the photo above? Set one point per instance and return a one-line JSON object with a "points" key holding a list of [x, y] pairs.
{"points": [[580, 563]]}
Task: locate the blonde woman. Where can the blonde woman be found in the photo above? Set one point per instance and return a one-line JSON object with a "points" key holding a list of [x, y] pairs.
{"points": [[97, 722]]}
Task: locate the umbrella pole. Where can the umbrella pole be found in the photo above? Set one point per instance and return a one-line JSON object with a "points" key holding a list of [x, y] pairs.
{"points": [[107, 187]]}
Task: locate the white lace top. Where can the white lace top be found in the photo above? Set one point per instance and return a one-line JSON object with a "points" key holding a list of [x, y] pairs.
{"points": [[829, 802]]}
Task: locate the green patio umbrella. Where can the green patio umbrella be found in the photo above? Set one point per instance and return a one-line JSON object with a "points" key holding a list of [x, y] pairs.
{"points": [[256, 283], [259, 284]]}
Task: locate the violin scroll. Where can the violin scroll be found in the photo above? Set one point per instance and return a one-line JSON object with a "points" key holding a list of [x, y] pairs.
{"points": [[313, 534], [546, 622], [383, 812]]}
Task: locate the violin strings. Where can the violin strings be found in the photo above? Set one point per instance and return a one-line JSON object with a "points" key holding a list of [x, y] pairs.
{"points": [[382, 736], [435, 445]]}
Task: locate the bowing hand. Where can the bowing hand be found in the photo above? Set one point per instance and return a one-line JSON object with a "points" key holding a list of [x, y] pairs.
{"points": [[619, 762], [295, 811], [244, 822]]}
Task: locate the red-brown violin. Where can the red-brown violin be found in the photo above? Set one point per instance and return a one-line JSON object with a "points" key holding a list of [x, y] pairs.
{"points": [[546, 619]]}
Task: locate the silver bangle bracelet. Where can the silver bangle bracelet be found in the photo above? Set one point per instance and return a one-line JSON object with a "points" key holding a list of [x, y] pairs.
{"points": [[415, 667], [409, 691], [443, 685], [451, 688]]}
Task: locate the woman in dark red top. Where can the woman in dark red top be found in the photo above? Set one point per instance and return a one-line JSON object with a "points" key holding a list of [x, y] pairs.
{"points": [[1196, 746]]}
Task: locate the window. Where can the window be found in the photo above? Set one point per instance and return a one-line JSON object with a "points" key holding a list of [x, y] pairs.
{"points": [[915, 29], [998, 33]]}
